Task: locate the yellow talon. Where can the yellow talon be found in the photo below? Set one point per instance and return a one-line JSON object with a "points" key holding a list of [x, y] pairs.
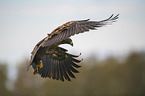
{"points": [[41, 64]]}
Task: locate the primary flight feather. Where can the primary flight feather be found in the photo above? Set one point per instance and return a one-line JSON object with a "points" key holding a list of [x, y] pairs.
{"points": [[50, 60]]}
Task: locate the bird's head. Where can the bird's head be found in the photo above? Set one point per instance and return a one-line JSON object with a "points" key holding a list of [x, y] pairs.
{"points": [[67, 41]]}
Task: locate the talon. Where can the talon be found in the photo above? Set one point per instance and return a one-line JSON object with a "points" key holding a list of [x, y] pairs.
{"points": [[41, 64]]}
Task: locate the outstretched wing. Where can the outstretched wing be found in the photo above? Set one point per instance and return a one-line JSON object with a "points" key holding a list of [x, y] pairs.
{"points": [[57, 64], [75, 27]]}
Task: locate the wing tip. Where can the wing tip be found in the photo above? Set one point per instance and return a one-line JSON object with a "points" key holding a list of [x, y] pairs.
{"points": [[111, 18]]}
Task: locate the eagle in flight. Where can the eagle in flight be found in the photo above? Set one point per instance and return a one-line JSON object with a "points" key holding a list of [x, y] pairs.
{"points": [[50, 60]]}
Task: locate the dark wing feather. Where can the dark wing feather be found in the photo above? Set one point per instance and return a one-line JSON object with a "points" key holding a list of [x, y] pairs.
{"points": [[75, 27], [58, 65]]}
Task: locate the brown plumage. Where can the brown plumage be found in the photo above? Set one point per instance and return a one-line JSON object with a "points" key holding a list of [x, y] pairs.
{"points": [[50, 60]]}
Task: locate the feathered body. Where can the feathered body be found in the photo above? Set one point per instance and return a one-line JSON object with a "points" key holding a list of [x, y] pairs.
{"points": [[50, 60]]}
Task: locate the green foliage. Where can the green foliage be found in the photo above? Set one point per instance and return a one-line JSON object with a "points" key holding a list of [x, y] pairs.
{"points": [[3, 79], [110, 77], [116, 78]]}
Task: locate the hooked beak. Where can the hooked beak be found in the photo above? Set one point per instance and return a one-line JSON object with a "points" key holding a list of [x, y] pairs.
{"points": [[71, 43]]}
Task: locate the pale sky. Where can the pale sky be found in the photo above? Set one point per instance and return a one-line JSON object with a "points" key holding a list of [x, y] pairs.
{"points": [[25, 22]]}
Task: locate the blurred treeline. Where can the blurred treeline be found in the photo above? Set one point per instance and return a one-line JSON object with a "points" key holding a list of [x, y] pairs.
{"points": [[110, 77]]}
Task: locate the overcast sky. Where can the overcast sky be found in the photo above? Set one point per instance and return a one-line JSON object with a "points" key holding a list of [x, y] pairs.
{"points": [[25, 22]]}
